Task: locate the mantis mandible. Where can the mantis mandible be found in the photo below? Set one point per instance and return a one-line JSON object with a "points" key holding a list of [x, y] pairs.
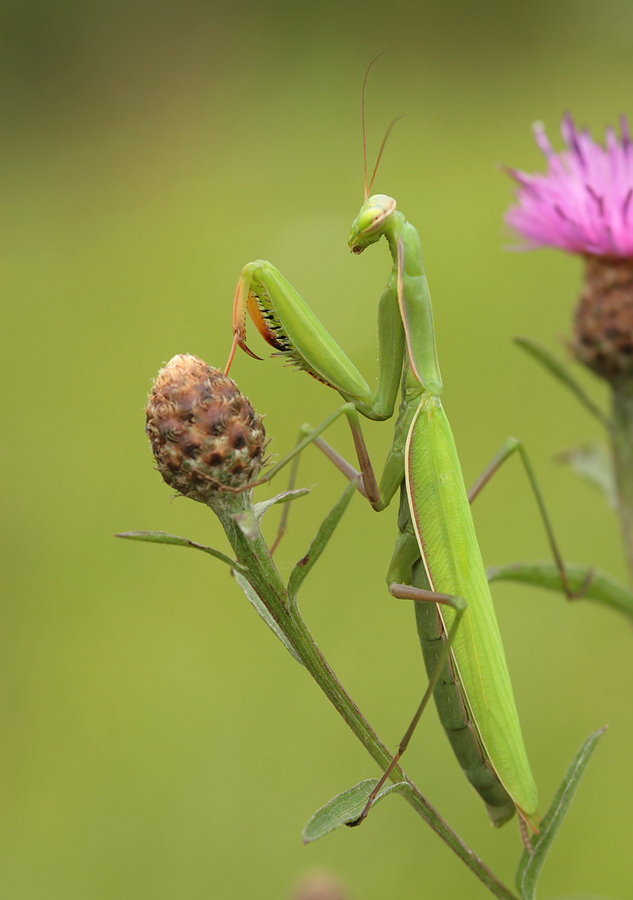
{"points": [[437, 560]]}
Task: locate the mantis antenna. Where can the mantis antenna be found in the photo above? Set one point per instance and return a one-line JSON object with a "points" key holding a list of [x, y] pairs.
{"points": [[387, 133]]}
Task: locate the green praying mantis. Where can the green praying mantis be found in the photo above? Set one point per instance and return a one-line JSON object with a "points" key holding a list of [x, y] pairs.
{"points": [[437, 561]]}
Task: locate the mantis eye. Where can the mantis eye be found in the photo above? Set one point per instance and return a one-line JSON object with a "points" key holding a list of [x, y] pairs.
{"points": [[370, 220]]}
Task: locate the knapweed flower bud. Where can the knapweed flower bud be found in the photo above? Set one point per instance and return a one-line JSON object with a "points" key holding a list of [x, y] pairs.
{"points": [[604, 318], [205, 435]]}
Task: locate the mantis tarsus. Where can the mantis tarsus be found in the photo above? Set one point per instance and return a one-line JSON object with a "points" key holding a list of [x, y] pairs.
{"points": [[437, 556]]}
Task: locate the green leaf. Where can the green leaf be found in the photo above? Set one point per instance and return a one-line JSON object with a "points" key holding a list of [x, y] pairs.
{"points": [[601, 588], [323, 535], [531, 862], [346, 807], [161, 537], [592, 462], [559, 370], [263, 612], [285, 497]]}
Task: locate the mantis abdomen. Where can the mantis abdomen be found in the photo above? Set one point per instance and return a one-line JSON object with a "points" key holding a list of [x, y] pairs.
{"points": [[474, 695], [453, 712]]}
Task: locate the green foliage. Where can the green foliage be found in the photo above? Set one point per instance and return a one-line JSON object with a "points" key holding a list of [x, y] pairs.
{"points": [[586, 582], [161, 537], [266, 616], [561, 372], [345, 808], [532, 860], [592, 462], [323, 535]]}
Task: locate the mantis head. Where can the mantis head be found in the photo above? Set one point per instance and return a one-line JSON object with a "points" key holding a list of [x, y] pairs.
{"points": [[371, 222]]}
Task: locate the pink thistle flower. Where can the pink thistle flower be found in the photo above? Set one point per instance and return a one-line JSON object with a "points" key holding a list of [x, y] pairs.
{"points": [[583, 203]]}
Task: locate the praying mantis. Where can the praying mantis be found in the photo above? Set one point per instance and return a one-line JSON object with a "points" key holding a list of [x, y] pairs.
{"points": [[437, 561]]}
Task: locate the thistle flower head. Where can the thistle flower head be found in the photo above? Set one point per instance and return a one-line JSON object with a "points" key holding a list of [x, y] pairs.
{"points": [[583, 203], [205, 435]]}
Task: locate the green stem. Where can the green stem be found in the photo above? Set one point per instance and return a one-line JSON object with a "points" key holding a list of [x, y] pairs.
{"points": [[622, 445], [253, 553], [345, 706]]}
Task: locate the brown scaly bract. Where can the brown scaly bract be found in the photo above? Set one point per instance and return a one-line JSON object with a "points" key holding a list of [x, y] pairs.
{"points": [[604, 317], [204, 433]]}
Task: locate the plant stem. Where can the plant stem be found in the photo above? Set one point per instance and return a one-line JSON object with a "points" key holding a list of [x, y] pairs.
{"points": [[345, 706], [622, 445], [253, 553]]}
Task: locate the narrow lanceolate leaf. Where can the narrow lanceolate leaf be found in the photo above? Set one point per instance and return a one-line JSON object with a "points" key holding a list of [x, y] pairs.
{"points": [[593, 463], [263, 612], [285, 497], [560, 371], [346, 808], [161, 537], [590, 584], [318, 545], [531, 862]]}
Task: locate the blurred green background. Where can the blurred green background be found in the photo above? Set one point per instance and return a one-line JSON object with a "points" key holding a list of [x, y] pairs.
{"points": [[156, 741]]}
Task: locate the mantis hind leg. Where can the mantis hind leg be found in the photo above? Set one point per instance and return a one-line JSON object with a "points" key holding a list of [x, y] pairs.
{"points": [[513, 445], [420, 596], [406, 565]]}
